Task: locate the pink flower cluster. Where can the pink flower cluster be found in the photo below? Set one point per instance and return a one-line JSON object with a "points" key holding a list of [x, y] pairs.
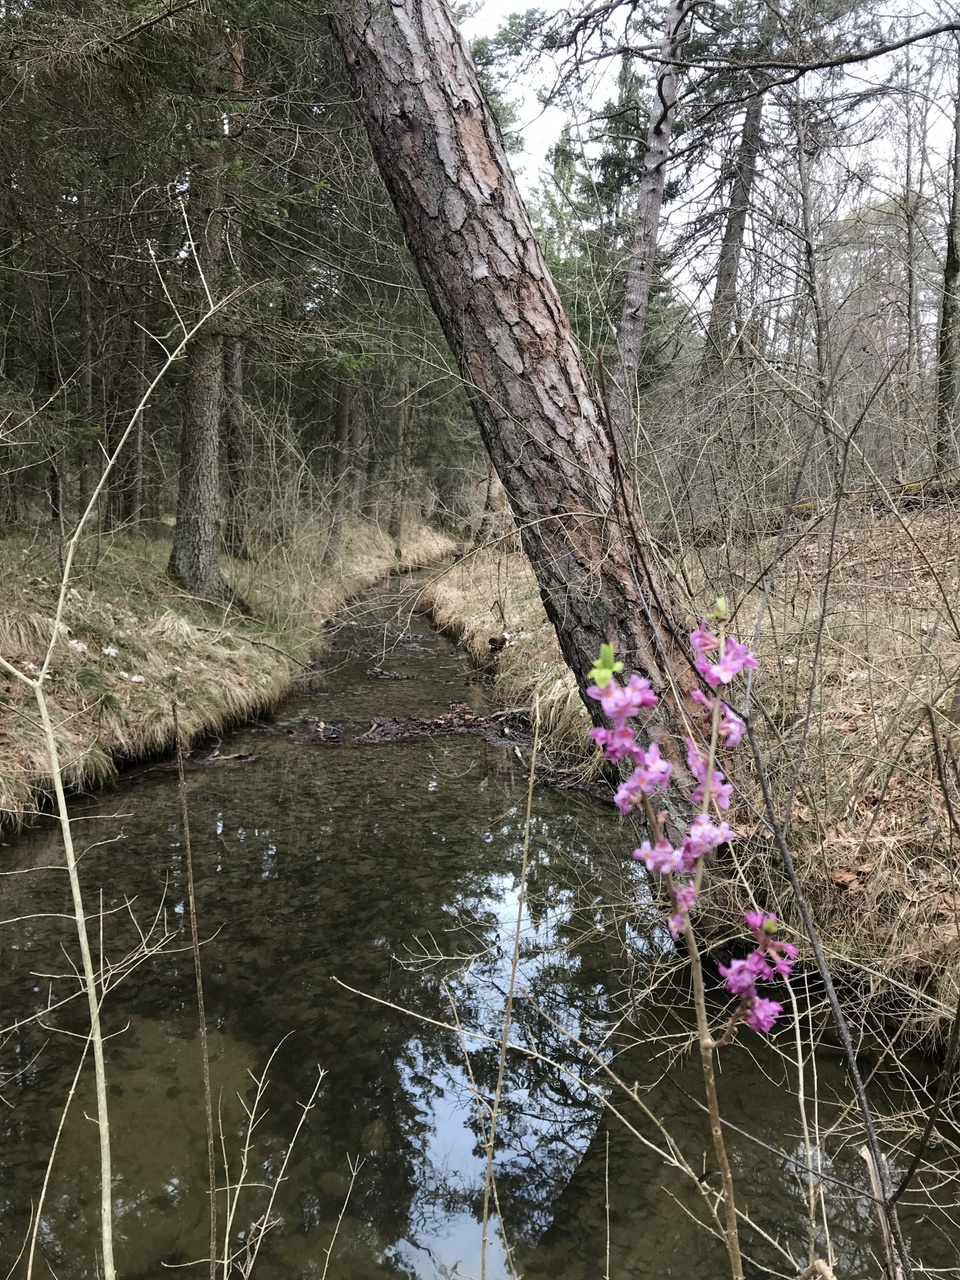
{"points": [[621, 703], [682, 865], [734, 657], [770, 958]]}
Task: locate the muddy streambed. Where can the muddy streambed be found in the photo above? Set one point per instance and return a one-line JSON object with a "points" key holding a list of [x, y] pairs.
{"points": [[393, 867]]}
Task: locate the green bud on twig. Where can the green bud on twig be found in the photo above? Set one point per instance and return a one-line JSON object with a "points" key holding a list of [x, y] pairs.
{"points": [[605, 668]]}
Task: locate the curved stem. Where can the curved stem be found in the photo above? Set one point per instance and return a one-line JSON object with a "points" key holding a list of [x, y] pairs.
{"points": [[731, 1235], [90, 987]]}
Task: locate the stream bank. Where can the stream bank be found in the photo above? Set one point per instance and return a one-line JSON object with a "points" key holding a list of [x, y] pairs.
{"points": [[394, 866], [130, 643], [841, 707]]}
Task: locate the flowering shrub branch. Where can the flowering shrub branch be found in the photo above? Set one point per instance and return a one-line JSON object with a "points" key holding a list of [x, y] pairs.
{"points": [[683, 866], [719, 659]]}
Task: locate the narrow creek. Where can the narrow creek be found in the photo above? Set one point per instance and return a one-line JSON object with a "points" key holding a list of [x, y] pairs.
{"points": [[394, 868]]}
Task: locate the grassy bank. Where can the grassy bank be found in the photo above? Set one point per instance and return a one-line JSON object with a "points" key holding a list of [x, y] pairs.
{"points": [[492, 595], [130, 643], [858, 646]]}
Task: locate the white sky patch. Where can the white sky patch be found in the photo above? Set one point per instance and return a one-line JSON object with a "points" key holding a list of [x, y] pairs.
{"points": [[539, 126]]}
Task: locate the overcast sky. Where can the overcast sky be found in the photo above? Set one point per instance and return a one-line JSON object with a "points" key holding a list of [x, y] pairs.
{"points": [[539, 126]]}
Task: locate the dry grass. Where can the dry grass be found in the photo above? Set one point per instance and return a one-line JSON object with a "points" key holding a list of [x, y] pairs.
{"points": [[491, 594], [218, 665], [850, 661], [860, 647]]}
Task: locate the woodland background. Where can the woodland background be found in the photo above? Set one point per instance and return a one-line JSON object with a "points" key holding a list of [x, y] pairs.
{"points": [[160, 163]]}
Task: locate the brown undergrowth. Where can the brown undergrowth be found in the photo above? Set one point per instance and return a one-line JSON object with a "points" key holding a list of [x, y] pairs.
{"points": [[856, 709], [130, 643], [858, 634]]}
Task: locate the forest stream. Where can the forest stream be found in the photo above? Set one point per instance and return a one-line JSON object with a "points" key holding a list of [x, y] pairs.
{"points": [[392, 866]]}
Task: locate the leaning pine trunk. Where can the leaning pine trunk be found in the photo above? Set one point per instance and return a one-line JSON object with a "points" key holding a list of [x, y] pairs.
{"points": [[438, 148]]}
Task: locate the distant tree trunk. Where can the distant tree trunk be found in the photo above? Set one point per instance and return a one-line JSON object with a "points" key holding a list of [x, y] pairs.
{"points": [[438, 148], [236, 537], [948, 342], [359, 451], [237, 451], [339, 470], [636, 304], [820, 401], [133, 462], [400, 462], [723, 311], [194, 559]]}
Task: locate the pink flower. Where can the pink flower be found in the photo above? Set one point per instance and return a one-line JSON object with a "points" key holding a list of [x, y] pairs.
{"points": [[620, 702], [696, 761], [740, 977], [640, 693], [762, 1014], [703, 641], [660, 857], [779, 956], [731, 728], [719, 790], [706, 835], [616, 743], [735, 658], [651, 772], [684, 896]]}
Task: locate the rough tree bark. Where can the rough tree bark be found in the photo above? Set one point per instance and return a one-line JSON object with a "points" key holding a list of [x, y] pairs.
{"points": [[237, 451], [948, 340], [439, 150], [622, 395], [723, 310]]}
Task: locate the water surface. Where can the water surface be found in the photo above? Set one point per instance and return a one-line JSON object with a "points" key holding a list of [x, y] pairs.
{"points": [[395, 870]]}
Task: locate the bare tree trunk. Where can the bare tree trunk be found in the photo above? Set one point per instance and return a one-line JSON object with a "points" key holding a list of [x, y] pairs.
{"points": [[133, 462], [194, 559], [86, 480], [401, 459], [358, 456], [438, 148], [948, 342], [237, 450], [723, 310], [636, 303], [821, 323], [339, 471], [237, 441]]}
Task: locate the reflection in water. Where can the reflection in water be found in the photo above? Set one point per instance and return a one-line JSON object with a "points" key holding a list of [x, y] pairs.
{"points": [[393, 868]]}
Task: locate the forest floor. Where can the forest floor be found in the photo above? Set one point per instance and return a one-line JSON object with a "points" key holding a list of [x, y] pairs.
{"points": [[856, 704], [130, 644]]}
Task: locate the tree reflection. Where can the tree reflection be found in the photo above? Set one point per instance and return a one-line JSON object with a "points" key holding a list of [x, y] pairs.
{"points": [[396, 873]]}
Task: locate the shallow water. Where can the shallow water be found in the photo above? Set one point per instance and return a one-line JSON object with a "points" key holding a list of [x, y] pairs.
{"points": [[393, 869]]}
